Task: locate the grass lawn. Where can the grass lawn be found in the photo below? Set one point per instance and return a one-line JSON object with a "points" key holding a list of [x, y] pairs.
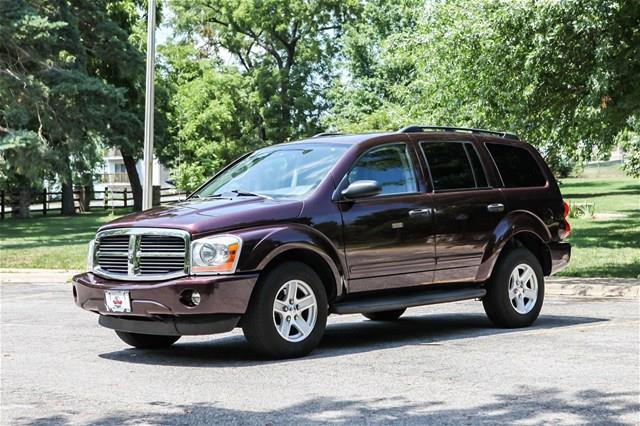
{"points": [[607, 245], [55, 242]]}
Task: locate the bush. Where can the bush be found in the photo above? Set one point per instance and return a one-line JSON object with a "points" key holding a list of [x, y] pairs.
{"points": [[582, 209]]}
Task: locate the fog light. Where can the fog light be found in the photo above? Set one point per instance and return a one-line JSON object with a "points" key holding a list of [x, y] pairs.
{"points": [[195, 298], [190, 298]]}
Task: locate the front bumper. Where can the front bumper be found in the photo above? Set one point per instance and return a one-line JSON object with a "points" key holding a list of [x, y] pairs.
{"points": [[560, 256], [156, 305]]}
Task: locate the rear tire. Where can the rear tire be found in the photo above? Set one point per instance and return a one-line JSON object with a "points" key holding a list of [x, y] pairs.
{"points": [[515, 291], [287, 313], [146, 341], [385, 315]]}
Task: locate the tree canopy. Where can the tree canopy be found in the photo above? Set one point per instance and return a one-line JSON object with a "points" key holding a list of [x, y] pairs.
{"points": [[240, 74]]}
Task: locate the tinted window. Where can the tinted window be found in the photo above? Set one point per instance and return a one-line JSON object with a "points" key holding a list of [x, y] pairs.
{"points": [[476, 166], [390, 166], [516, 165], [450, 167], [284, 172]]}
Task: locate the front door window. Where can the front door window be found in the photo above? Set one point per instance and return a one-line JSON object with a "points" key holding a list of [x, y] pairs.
{"points": [[390, 166]]}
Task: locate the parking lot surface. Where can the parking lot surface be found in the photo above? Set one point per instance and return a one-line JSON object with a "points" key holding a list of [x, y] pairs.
{"points": [[440, 364]]}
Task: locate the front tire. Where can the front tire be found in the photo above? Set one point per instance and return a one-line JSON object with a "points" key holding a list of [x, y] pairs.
{"points": [[146, 341], [515, 291], [385, 315], [287, 313]]}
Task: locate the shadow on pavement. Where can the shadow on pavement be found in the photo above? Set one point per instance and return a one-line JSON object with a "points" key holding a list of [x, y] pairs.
{"points": [[341, 339], [528, 404]]}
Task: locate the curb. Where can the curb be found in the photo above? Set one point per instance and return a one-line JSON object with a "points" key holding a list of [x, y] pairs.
{"points": [[623, 288], [36, 276]]}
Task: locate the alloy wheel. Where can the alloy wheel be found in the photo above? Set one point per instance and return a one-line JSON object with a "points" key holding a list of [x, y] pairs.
{"points": [[523, 288], [295, 311]]}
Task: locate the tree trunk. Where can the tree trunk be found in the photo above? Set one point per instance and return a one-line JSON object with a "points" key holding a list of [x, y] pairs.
{"points": [[68, 207], [89, 194], [134, 180], [20, 207], [286, 107]]}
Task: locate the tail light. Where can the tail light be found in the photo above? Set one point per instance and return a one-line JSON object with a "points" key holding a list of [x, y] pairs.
{"points": [[565, 228]]}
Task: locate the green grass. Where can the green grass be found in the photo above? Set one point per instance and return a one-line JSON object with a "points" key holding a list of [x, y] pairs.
{"points": [[51, 242], [607, 245]]}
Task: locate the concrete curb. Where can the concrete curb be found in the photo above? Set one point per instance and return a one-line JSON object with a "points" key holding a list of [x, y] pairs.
{"points": [[625, 288], [36, 276]]}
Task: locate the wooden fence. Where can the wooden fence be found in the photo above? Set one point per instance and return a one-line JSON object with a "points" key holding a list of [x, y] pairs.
{"points": [[47, 202]]}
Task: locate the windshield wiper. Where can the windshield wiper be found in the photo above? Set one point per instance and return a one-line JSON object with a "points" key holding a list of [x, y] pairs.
{"points": [[240, 193], [200, 197]]}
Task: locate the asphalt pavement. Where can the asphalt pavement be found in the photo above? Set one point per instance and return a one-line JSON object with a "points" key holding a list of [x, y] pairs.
{"points": [[442, 364]]}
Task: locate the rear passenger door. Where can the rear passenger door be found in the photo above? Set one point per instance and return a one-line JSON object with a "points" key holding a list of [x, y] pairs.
{"points": [[467, 208]]}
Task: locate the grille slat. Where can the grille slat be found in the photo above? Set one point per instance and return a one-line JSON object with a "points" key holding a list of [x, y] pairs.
{"points": [[156, 255]]}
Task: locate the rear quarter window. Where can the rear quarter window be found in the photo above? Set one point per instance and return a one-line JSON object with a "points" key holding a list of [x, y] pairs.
{"points": [[517, 167]]}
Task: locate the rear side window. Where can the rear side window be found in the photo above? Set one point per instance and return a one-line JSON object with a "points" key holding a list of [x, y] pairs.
{"points": [[453, 165], [390, 166], [517, 166]]}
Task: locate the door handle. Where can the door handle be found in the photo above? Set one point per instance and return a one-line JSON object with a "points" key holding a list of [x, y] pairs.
{"points": [[420, 212], [495, 208]]}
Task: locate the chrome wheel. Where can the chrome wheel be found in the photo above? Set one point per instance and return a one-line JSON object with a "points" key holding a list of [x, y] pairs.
{"points": [[523, 288], [295, 311]]}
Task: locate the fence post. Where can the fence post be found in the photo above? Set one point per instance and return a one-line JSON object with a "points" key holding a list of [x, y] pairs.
{"points": [[125, 196], [44, 202], [105, 197], [2, 204]]}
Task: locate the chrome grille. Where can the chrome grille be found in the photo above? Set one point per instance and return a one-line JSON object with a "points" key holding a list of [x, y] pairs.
{"points": [[141, 253]]}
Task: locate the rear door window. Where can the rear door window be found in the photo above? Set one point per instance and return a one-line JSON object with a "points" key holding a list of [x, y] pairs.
{"points": [[453, 165], [517, 167]]}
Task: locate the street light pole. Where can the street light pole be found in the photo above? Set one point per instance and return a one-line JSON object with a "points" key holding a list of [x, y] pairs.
{"points": [[147, 186]]}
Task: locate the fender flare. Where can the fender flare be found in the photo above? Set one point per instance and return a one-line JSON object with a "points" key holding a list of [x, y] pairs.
{"points": [[278, 240], [514, 223]]}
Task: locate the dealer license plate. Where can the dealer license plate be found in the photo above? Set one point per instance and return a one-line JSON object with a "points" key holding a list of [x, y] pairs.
{"points": [[117, 301]]}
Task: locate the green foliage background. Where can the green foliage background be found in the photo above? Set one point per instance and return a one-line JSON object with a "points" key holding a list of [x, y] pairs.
{"points": [[240, 74]]}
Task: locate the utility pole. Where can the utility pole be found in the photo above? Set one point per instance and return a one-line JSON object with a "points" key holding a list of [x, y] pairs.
{"points": [[147, 185]]}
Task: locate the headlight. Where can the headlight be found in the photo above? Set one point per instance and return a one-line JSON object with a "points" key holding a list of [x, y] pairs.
{"points": [[90, 254], [215, 255]]}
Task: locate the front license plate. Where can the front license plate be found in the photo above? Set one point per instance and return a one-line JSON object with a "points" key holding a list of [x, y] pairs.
{"points": [[117, 301]]}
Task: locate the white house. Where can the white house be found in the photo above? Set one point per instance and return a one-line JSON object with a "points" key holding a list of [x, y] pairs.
{"points": [[113, 174]]}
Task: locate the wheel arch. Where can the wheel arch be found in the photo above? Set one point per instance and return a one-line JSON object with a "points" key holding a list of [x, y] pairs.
{"points": [[321, 265], [300, 243], [518, 229]]}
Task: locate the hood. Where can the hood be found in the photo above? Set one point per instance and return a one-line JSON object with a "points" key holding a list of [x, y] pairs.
{"points": [[212, 215]]}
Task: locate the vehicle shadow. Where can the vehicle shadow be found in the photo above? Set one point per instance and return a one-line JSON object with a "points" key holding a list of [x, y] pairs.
{"points": [[528, 404], [342, 338]]}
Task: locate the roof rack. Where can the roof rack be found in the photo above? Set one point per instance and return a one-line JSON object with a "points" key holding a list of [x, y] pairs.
{"points": [[420, 129], [320, 135]]}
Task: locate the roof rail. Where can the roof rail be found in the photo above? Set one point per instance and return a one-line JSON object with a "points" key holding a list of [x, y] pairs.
{"points": [[420, 129], [320, 135]]}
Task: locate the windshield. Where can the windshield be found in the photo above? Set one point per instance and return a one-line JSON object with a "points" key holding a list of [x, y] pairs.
{"points": [[287, 172]]}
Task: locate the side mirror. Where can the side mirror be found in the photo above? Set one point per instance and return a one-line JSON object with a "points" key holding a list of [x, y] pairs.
{"points": [[362, 189]]}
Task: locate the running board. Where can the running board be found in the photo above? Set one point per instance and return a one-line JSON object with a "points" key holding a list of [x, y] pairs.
{"points": [[390, 302]]}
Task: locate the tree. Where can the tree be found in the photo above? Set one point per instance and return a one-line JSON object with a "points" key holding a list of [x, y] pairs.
{"points": [[24, 159], [212, 111], [72, 74], [283, 48], [560, 74], [45, 88]]}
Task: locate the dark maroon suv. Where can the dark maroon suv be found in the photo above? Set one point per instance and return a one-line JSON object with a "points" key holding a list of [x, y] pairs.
{"points": [[341, 224]]}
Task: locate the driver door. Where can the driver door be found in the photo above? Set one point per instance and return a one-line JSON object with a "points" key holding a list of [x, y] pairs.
{"points": [[388, 238]]}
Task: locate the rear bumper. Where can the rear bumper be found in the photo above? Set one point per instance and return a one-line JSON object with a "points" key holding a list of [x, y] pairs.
{"points": [[560, 256], [157, 306]]}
